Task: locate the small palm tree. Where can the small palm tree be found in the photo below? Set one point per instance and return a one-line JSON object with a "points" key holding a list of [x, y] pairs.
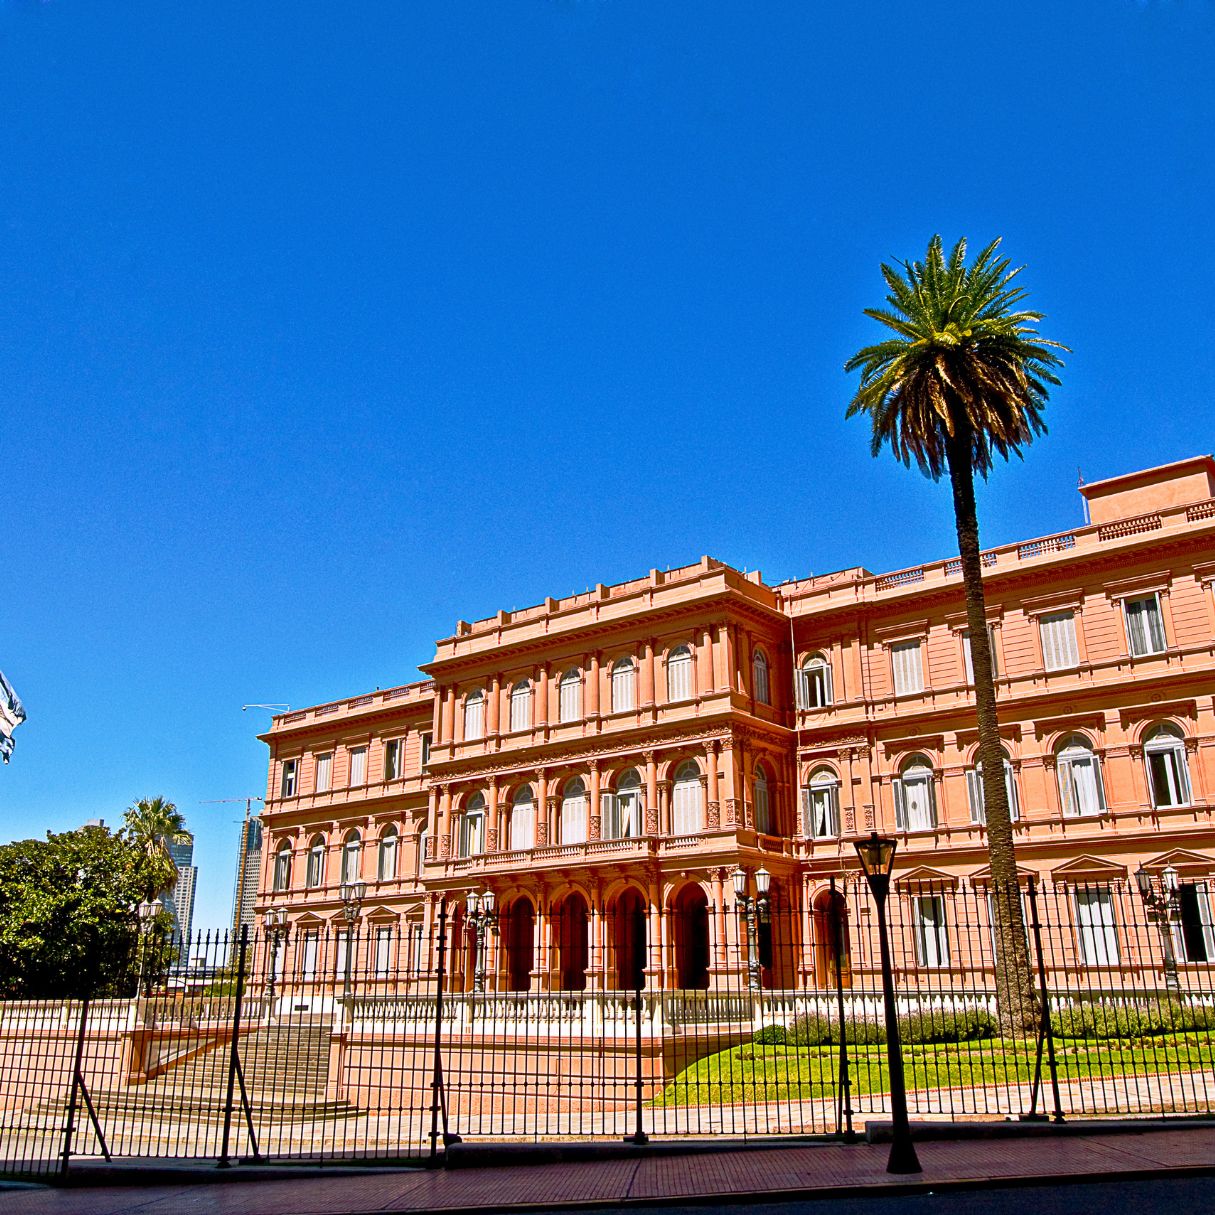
{"points": [[151, 825], [965, 378]]}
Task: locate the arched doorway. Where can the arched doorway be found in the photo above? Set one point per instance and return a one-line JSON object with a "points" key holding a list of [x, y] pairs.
{"points": [[690, 911], [571, 933], [518, 927], [629, 941], [830, 924]]}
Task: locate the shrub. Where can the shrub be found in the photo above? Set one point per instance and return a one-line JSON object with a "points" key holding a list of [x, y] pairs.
{"points": [[1102, 1022], [812, 1029], [940, 1025], [771, 1035]]}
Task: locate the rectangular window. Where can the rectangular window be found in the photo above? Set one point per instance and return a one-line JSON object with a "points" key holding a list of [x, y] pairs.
{"points": [[425, 741], [383, 952], [1196, 926], [1144, 625], [308, 957], [415, 947], [814, 685], [931, 941], [991, 920], [520, 707], [1169, 775], [969, 662], [1096, 933], [974, 794], [1058, 632], [820, 805], [358, 765], [908, 669], [324, 772], [341, 954], [472, 834], [290, 768], [915, 803], [1080, 786], [392, 759]]}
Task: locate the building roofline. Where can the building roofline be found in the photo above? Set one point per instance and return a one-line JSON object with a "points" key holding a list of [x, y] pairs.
{"points": [[1205, 462]]}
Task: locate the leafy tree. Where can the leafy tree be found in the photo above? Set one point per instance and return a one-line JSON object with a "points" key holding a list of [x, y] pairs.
{"points": [[68, 920], [965, 378]]}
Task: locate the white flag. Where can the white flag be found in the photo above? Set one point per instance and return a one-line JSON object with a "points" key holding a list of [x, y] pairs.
{"points": [[12, 714]]}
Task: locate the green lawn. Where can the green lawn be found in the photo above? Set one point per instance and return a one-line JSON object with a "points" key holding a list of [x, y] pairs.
{"points": [[752, 1073]]}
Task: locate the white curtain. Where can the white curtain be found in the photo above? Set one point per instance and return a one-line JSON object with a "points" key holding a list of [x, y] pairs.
{"points": [[1080, 787], [763, 810], [932, 943], [914, 801], [570, 698], [1058, 632], [821, 804], [1168, 770], [679, 674], [1144, 625], [324, 772], [350, 857], [573, 813], [308, 962], [624, 686], [523, 821], [1095, 929], [383, 951], [521, 706], [974, 792], [474, 715], [688, 808], [814, 681], [908, 671], [358, 766], [388, 856]]}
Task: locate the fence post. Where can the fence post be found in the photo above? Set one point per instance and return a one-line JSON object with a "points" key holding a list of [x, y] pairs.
{"points": [[79, 1086], [843, 1109], [438, 1096], [638, 1136], [1045, 1034], [235, 1070]]}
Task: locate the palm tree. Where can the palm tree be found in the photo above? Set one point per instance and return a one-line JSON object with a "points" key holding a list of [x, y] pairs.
{"points": [[965, 378], [151, 825]]}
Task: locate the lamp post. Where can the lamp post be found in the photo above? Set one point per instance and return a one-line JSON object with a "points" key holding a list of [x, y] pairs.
{"points": [[277, 929], [754, 912], [482, 915], [146, 911], [1161, 904], [352, 902], [876, 855]]}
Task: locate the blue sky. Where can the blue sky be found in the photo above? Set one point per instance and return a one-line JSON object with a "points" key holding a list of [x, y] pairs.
{"points": [[322, 326]]}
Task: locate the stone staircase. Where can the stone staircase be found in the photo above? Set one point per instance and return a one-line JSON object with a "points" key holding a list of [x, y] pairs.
{"points": [[286, 1070]]}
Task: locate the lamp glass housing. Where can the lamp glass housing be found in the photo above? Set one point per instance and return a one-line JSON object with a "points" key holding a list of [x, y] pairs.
{"points": [[146, 911], [763, 881], [487, 901], [876, 853], [740, 882], [1169, 877], [1143, 880], [473, 902]]}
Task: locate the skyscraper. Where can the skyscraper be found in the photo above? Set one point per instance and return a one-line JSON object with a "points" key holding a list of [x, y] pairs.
{"points": [[180, 901], [248, 866]]}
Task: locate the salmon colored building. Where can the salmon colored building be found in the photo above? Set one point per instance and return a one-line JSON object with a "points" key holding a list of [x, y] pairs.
{"points": [[604, 763]]}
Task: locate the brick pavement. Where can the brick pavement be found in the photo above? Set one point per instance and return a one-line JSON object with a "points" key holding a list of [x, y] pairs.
{"points": [[793, 1170]]}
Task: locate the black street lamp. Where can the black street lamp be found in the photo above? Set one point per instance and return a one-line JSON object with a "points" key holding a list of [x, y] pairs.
{"points": [[277, 929], [146, 911], [754, 911], [877, 860], [1161, 904], [481, 916], [351, 894]]}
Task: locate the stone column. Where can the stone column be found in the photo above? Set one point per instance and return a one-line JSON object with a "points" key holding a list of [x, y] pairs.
{"points": [[654, 961], [592, 689], [494, 708], [647, 675], [651, 793], [705, 682], [719, 903], [448, 732], [713, 800], [443, 849], [594, 823], [542, 837], [728, 784], [542, 696], [664, 807], [493, 811]]}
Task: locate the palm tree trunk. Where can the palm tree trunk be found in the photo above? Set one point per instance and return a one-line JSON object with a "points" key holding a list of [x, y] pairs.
{"points": [[1015, 998]]}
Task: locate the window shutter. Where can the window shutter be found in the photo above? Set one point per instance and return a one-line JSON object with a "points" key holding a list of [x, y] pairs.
{"points": [[807, 813], [974, 789], [900, 806]]}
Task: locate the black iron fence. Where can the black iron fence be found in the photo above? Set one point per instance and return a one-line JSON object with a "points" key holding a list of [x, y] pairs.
{"points": [[385, 1038]]}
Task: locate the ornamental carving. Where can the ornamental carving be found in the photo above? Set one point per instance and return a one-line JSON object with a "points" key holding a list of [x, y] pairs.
{"points": [[870, 819], [595, 826], [731, 812], [651, 821], [542, 834], [491, 839], [713, 815]]}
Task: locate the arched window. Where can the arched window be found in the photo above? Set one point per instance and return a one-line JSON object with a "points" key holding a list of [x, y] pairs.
{"points": [[679, 674], [573, 812], [622, 809], [1081, 790], [821, 803], [762, 800], [1168, 771], [316, 861], [814, 683], [974, 792], [351, 849], [386, 862], [688, 807], [915, 802], [423, 839], [523, 819], [472, 827], [759, 678], [624, 686], [569, 696], [474, 714], [521, 705], [282, 866]]}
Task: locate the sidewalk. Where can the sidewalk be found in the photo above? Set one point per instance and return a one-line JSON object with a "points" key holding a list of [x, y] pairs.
{"points": [[645, 1179]]}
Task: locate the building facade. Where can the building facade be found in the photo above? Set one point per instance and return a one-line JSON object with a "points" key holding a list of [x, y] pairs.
{"points": [[604, 763], [179, 902], [248, 873]]}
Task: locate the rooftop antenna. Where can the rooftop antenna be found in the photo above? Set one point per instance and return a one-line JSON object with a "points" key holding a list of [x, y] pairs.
{"points": [[1080, 485]]}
